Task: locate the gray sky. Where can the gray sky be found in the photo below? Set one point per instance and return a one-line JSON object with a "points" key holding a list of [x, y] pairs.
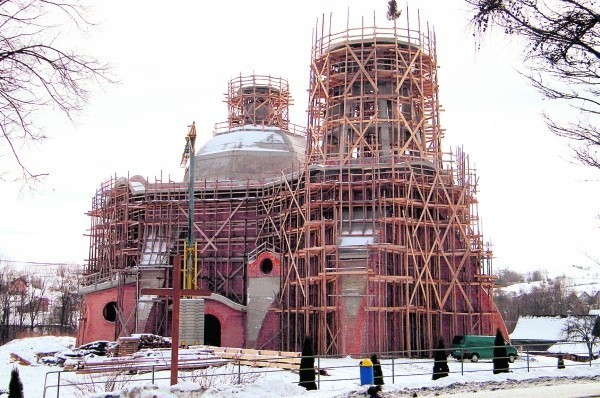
{"points": [[173, 61]]}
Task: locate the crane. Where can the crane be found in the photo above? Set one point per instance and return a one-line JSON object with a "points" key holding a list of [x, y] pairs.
{"points": [[190, 272]]}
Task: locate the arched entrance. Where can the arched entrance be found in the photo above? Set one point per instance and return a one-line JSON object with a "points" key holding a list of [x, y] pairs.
{"points": [[212, 330]]}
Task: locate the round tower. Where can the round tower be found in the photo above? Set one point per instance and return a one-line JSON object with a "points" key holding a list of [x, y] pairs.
{"points": [[373, 97], [257, 142]]}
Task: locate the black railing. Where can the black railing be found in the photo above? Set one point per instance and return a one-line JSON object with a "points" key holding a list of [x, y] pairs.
{"points": [[394, 366]]}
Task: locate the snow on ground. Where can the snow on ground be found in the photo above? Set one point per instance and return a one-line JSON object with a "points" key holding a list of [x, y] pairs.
{"points": [[576, 281], [406, 378], [523, 287]]}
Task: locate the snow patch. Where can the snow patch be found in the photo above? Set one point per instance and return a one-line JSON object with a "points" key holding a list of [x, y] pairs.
{"points": [[246, 140]]}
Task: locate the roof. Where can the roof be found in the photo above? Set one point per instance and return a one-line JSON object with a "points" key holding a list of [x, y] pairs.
{"points": [[247, 138], [579, 349], [541, 328], [248, 152]]}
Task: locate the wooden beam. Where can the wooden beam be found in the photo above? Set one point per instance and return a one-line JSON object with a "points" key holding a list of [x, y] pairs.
{"points": [[163, 291]]}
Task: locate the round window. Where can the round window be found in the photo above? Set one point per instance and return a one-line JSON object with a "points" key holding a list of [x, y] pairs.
{"points": [[266, 266], [110, 311]]}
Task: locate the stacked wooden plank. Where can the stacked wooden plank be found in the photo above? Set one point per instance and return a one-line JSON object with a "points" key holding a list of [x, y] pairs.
{"points": [[146, 361], [260, 358], [126, 346], [129, 345]]}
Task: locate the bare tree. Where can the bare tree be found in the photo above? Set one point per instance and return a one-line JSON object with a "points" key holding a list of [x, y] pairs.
{"points": [[583, 328], [507, 277], [6, 278], [39, 72], [18, 291], [35, 297], [550, 298], [536, 276], [563, 57], [66, 300]]}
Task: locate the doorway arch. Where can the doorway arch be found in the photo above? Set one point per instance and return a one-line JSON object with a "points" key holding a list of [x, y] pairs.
{"points": [[212, 330]]}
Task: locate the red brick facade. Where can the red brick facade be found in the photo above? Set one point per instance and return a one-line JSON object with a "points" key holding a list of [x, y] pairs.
{"points": [[93, 325]]}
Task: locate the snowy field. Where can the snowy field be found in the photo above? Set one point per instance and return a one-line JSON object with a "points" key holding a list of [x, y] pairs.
{"points": [[409, 378]]}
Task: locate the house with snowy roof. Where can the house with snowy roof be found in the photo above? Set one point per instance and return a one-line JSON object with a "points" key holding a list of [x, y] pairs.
{"points": [[575, 351], [538, 333], [548, 334]]}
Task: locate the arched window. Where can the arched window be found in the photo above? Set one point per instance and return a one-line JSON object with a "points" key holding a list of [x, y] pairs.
{"points": [[109, 312], [266, 266]]}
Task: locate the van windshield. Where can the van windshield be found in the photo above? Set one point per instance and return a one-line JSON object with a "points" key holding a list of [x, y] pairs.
{"points": [[458, 339]]}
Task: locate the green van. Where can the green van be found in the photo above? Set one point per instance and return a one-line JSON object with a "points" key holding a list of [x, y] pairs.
{"points": [[475, 347]]}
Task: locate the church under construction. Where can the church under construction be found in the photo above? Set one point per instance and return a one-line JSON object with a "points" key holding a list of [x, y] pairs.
{"points": [[358, 230]]}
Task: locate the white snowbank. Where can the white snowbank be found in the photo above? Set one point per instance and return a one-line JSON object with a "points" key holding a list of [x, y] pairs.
{"points": [[28, 348]]}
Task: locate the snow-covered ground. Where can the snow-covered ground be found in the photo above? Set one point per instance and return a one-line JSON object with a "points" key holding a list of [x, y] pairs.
{"points": [[577, 280], [409, 377]]}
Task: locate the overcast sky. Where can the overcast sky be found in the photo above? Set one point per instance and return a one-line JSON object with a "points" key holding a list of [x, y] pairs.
{"points": [[174, 60]]}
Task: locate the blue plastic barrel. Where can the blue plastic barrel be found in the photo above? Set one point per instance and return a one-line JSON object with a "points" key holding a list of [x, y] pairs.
{"points": [[366, 372]]}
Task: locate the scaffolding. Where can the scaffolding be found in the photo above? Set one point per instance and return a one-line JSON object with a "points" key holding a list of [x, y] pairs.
{"points": [[382, 249], [377, 233], [138, 227], [258, 100]]}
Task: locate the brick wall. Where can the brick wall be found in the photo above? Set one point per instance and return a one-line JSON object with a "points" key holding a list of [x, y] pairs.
{"points": [[93, 326], [232, 322]]}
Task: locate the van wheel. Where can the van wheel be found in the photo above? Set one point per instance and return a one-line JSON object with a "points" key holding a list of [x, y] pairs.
{"points": [[511, 358], [474, 358]]}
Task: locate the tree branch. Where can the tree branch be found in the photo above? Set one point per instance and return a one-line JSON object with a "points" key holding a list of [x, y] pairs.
{"points": [[35, 73]]}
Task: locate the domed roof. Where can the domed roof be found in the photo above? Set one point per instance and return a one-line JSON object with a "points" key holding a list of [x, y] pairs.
{"points": [[249, 152]]}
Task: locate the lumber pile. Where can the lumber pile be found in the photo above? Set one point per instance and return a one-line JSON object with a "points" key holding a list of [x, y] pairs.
{"points": [[130, 359], [146, 361], [152, 341], [130, 345], [40, 355], [19, 359], [260, 358], [125, 346]]}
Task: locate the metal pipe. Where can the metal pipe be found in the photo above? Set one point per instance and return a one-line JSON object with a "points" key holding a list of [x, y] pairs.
{"points": [[318, 373], [175, 320], [58, 385]]}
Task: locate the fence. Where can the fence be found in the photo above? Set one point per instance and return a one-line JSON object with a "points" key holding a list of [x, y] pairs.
{"points": [[328, 369]]}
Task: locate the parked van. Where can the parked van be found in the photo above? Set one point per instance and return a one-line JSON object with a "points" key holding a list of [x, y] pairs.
{"points": [[475, 347]]}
